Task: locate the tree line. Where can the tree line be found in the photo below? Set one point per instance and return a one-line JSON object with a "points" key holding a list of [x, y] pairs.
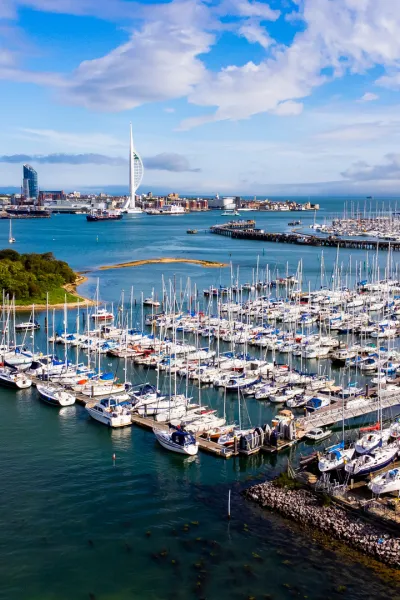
{"points": [[31, 276]]}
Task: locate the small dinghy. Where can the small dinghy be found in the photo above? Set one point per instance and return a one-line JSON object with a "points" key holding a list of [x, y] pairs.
{"points": [[177, 440], [318, 434], [386, 482]]}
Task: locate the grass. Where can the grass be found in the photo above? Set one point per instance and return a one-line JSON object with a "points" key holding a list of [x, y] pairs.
{"points": [[56, 296]]}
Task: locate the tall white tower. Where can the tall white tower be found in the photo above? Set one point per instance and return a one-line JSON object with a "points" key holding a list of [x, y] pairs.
{"points": [[135, 177]]}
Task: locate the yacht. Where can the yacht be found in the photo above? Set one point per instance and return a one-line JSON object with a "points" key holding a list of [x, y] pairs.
{"points": [[376, 460], [102, 315], [14, 379], [386, 482], [111, 412], [168, 209], [19, 358], [55, 395], [11, 239], [177, 441], [335, 458], [27, 326], [372, 440]]}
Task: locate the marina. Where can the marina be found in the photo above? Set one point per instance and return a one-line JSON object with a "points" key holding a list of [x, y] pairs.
{"points": [[248, 313]]}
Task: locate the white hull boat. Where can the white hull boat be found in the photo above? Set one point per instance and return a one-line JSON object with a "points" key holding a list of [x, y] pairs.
{"points": [[55, 395], [177, 441], [15, 380], [386, 483], [111, 412]]}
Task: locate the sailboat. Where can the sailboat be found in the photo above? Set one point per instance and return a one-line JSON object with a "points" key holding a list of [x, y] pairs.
{"points": [[177, 440], [11, 239]]}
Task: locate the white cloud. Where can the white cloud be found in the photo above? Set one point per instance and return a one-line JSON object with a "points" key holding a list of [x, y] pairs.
{"points": [[390, 81], [169, 109], [368, 97], [360, 131], [162, 60], [247, 8], [288, 108], [255, 34], [362, 171]]}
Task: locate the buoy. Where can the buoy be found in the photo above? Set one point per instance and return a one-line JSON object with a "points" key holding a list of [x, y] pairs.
{"points": [[114, 457]]}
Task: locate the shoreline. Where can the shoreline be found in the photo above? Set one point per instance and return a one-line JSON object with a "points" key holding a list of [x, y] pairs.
{"points": [[150, 261], [306, 509], [71, 288]]}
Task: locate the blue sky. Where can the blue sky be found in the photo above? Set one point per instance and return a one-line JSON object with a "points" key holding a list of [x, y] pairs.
{"points": [[228, 96]]}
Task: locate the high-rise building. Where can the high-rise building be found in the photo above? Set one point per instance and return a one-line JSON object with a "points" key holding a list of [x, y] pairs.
{"points": [[30, 183], [135, 177]]}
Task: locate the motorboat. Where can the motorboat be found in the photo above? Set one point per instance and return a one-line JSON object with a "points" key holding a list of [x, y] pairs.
{"points": [[374, 461], [335, 458], [27, 326], [102, 314], [386, 482], [177, 440], [55, 395], [285, 395], [150, 301], [111, 412], [14, 379], [316, 403], [298, 401], [317, 434]]}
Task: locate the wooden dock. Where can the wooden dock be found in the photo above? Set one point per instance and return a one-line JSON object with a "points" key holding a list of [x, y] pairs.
{"points": [[335, 413], [204, 445], [230, 230]]}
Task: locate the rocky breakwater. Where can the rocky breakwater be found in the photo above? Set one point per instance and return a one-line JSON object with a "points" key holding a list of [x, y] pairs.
{"points": [[312, 511]]}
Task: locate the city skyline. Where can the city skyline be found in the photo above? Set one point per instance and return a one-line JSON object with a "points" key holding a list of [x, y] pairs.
{"points": [[236, 97]]}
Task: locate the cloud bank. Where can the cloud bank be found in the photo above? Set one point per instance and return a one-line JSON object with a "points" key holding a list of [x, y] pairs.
{"points": [[167, 161]]}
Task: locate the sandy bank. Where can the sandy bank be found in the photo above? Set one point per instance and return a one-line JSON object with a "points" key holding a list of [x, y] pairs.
{"points": [[150, 261]]}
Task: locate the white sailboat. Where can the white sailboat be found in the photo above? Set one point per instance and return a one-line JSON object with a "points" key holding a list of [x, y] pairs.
{"points": [[55, 395], [386, 482], [177, 441], [11, 239]]}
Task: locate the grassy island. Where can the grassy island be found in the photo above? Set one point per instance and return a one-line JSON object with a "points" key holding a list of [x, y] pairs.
{"points": [[28, 277]]}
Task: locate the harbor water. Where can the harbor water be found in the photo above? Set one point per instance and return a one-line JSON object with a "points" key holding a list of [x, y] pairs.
{"points": [[77, 524]]}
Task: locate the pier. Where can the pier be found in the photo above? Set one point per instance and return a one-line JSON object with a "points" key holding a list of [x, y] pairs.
{"points": [[336, 412], [244, 230]]}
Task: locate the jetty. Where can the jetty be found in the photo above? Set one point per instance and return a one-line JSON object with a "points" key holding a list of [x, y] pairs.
{"points": [[336, 412], [245, 230]]}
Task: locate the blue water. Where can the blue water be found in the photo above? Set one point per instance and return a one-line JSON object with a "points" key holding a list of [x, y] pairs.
{"points": [[76, 525]]}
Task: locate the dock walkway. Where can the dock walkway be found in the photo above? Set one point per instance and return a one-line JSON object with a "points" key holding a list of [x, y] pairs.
{"points": [[250, 233], [335, 413]]}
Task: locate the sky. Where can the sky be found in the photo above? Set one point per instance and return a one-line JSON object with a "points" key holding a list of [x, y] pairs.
{"points": [[225, 96]]}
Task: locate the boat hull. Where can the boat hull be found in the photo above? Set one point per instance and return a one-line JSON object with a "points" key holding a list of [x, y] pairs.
{"points": [[188, 450]]}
